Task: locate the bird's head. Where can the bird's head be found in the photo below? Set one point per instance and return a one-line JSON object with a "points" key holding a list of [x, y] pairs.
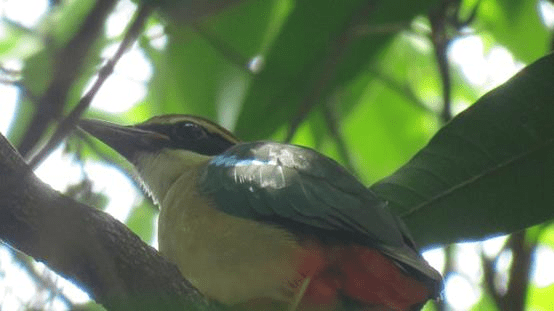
{"points": [[164, 147]]}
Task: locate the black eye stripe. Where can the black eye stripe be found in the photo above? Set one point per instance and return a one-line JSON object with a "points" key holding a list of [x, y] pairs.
{"points": [[188, 131], [190, 136]]}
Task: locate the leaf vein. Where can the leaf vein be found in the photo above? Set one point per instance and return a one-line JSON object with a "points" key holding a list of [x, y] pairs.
{"points": [[486, 173]]}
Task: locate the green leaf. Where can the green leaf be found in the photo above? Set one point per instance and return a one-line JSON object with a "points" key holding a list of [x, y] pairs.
{"points": [[485, 303], [186, 11], [429, 306], [317, 51], [489, 171], [203, 70], [67, 20], [379, 145], [515, 24], [539, 298], [141, 220], [547, 236]]}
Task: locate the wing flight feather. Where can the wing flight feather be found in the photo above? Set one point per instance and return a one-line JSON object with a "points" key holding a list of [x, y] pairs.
{"points": [[293, 186]]}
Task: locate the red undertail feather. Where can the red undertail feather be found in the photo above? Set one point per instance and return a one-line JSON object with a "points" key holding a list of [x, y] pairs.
{"points": [[361, 274]]}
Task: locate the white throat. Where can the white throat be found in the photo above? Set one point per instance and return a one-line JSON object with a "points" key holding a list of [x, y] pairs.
{"points": [[158, 171]]}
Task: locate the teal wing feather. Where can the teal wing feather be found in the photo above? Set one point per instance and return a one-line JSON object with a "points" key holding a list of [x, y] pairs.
{"points": [[297, 187]]}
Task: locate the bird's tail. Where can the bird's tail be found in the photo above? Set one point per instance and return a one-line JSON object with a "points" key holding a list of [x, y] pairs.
{"points": [[374, 279]]}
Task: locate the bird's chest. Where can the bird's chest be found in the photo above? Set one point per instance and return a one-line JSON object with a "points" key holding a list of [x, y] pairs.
{"points": [[228, 258]]}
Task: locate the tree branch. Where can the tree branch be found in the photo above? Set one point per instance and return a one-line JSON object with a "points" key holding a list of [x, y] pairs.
{"points": [[489, 279], [441, 41], [522, 251], [67, 66], [69, 122], [87, 246]]}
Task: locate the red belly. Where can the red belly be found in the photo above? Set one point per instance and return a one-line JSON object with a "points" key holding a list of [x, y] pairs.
{"points": [[359, 273]]}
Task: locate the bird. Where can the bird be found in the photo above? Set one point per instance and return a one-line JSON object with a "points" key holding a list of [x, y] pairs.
{"points": [[270, 226]]}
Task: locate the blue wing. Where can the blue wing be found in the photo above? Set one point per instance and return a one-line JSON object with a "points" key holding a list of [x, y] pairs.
{"points": [[294, 186]]}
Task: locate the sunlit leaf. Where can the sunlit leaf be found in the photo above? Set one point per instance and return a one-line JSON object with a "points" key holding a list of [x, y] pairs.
{"points": [[203, 70], [318, 50], [540, 298], [385, 130], [515, 24]]}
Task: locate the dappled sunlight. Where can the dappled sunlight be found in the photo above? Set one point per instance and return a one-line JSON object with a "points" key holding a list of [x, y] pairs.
{"points": [[542, 271], [131, 74], [483, 69], [116, 186], [468, 262], [460, 293], [59, 170], [8, 98], [119, 19], [546, 10], [25, 12], [436, 258]]}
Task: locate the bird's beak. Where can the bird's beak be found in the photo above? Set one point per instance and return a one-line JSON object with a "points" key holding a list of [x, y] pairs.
{"points": [[126, 140]]}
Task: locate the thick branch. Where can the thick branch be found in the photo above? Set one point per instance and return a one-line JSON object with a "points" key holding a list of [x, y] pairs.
{"points": [[86, 245]]}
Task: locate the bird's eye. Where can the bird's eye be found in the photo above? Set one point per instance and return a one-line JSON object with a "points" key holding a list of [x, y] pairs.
{"points": [[190, 131]]}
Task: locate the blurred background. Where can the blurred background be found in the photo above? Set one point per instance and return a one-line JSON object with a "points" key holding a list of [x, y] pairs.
{"points": [[367, 83]]}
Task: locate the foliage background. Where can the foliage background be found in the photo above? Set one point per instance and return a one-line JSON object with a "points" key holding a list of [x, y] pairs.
{"points": [[365, 82]]}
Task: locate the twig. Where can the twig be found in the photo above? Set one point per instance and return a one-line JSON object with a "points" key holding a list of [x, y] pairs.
{"points": [[69, 122], [522, 249], [489, 278], [67, 64], [8, 71], [522, 244], [41, 279], [441, 40], [440, 21], [461, 23], [403, 90], [20, 27], [442, 18], [16, 83], [230, 53], [333, 125], [448, 270]]}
